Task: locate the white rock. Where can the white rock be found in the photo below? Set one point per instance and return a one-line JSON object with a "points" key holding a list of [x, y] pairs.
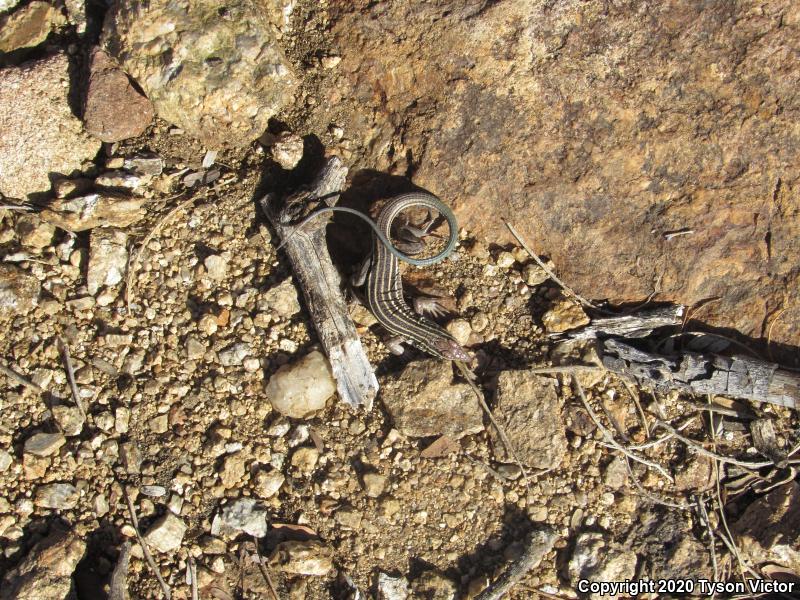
{"points": [[234, 354], [282, 299], [108, 258], [267, 484], [56, 495], [5, 460], [242, 515], [392, 588], [301, 388], [287, 150], [166, 534], [100, 505], [216, 266]]}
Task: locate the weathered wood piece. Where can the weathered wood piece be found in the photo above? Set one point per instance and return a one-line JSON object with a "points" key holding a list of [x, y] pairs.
{"points": [[321, 284], [636, 325], [736, 376]]}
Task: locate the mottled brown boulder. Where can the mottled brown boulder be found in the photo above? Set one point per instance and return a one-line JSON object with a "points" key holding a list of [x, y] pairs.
{"points": [[27, 27], [46, 572], [599, 130], [114, 110]]}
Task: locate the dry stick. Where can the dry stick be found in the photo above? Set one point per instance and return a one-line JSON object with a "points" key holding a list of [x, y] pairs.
{"points": [[568, 369], [649, 495], [12, 374], [131, 278], [64, 350], [701, 505], [769, 332], [537, 545], [192, 566], [468, 375], [550, 273], [609, 436], [663, 438], [700, 450], [635, 397], [264, 572], [145, 550]]}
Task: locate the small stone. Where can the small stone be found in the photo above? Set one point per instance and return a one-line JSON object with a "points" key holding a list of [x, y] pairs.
{"points": [[302, 388], [287, 150], [234, 354], [62, 496], [121, 180], [166, 534], [309, 557], [563, 316], [27, 27], [114, 109], [282, 299], [104, 421], [243, 515], [5, 460], [216, 267], [392, 588], [505, 260], [251, 365], [208, 324], [433, 585], [596, 559], [479, 322], [267, 484], [34, 233], [460, 329], [194, 347], [330, 62], [94, 210], [44, 444], [534, 275], [423, 401], [69, 418], [19, 291], [233, 469], [131, 457], [305, 459], [349, 518], [616, 473], [374, 484], [122, 418], [159, 424], [154, 491]]}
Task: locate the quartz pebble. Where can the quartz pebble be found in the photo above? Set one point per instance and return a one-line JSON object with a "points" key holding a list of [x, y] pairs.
{"points": [[301, 388], [166, 534]]}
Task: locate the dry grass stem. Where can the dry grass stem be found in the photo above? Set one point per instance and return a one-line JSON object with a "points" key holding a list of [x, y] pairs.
{"points": [[145, 550], [635, 397], [64, 350], [547, 270], [262, 566], [700, 450], [610, 437], [13, 375]]}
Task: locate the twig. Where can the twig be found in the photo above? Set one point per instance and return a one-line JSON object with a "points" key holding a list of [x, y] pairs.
{"points": [[192, 567], [701, 507], [547, 270], [145, 550], [537, 544], [264, 572], [11, 374], [649, 495], [130, 280], [769, 332], [608, 435], [635, 397], [663, 438], [700, 450], [569, 369], [468, 375], [64, 350]]}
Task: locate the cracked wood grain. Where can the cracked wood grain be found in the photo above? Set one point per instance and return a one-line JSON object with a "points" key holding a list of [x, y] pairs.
{"points": [[320, 281]]}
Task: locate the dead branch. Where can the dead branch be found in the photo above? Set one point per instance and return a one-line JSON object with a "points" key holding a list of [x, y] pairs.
{"points": [[64, 350], [321, 284], [636, 325], [145, 550], [14, 376]]}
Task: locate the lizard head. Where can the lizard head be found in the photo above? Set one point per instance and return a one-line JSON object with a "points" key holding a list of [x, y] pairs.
{"points": [[451, 350]]}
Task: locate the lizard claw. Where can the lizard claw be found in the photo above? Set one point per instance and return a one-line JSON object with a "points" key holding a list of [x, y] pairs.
{"points": [[429, 305]]}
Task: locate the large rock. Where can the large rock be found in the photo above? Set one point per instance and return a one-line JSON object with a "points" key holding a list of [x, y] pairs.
{"points": [[213, 69], [769, 530], [424, 402], [529, 411], [29, 26], [41, 137], [114, 109], [596, 130], [46, 572], [19, 291], [95, 210]]}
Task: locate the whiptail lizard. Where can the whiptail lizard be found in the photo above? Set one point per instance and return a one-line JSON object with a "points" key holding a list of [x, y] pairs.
{"points": [[384, 288]]}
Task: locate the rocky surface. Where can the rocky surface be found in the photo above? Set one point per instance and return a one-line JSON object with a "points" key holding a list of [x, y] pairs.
{"points": [[525, 402], [218, 73], [42, 138], [599, 132], [114, 110], [425, 401]]}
